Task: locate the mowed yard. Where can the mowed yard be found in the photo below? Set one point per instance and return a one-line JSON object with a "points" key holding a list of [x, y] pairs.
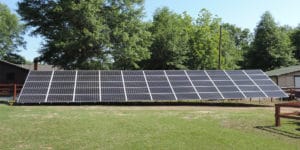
{"points": [[144, 127]]}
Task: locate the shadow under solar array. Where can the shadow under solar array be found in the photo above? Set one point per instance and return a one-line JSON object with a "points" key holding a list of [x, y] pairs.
{"points": [[149, 85]]}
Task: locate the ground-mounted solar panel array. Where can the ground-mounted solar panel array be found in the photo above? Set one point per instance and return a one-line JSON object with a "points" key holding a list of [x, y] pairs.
{"points": [[96, 86]]}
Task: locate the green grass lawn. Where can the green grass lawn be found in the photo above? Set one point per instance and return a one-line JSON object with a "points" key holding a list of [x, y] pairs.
{"points": [[144, 127]]}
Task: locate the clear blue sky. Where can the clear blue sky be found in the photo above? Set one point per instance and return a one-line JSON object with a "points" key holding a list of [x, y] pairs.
{"points": [[243, 13]]}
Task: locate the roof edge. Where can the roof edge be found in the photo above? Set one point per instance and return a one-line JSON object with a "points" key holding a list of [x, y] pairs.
{"points": [[12, 64]]}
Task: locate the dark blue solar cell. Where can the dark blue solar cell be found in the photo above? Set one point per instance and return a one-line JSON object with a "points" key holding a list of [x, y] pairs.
{"points": [[87, 84], [32, 85], [135, 84], [143, 97], [163, 96], [210, 96], [206, 89], [87, 98], [134, 78], [88, 72], [180, 83], [111, 78], [87, 91], [112, 84], [233, 95], [39, 78], [264, 82], [254, 72], [184, 89], [178, 78], [62, 85], [156, 78], [235, 72], [199, 78], [65, 73], [259, 77], [228, 89], [110, 72], [203, 83], [154, 72], [277, 94], [133, 72], [61, 91], [224, 83], [249, 88], [244, 77], [175, 72], [113, 98], [196, 73], [31, 98], [112, 90], [244, 83], [160, 90], [254, 94], [40, 73], [215, 78], [137, 90], [88, 78], [187, 96], [60, 98], [215, 72], [63, 78], [35, 91], [270, 88], [159, 84]]}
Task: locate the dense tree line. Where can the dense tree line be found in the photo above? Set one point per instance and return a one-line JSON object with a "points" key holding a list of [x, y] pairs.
{"points": [[10, 36], [111, 34]]}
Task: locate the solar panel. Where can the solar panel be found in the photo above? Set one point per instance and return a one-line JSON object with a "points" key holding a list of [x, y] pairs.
{"points": [[94, 86]]}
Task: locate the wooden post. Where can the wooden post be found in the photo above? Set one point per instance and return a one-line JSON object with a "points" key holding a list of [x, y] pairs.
{"points": [[277, 116], [220, 47], [15, 92]]}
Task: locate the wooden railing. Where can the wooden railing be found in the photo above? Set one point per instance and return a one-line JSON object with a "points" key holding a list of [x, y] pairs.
{"points": [[10, 90], [290, 115], [292, 91]]}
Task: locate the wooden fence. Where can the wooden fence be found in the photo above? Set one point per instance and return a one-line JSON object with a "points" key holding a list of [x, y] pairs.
{"points": [[10, 90]]}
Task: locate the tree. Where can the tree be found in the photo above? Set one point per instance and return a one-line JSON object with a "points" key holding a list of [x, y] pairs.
{"points": [[204, 44], [88, 34], [14, 58], [242, 39], [10, 33], [129, 37], [295, 37], [271, 47], [170, 40]]}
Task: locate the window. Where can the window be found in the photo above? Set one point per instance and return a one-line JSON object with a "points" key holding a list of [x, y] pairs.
{"points": [[10, 76]]}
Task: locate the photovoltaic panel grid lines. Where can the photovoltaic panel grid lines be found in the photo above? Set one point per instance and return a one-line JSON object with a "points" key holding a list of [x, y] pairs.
{"points": [[92, 86]]}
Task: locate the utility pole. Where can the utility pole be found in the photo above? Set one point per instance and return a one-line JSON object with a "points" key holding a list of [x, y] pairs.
{"points": [[220, 46]]}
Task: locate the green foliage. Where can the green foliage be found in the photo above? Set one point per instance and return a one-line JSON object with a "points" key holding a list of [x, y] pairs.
{"points": [[204, 44], [170, 40], [88, 34], [296, 42], [129, 37], [73, 30], [271, 47], [110, 34], [10, 32], [242, 39], [14, 58]]}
